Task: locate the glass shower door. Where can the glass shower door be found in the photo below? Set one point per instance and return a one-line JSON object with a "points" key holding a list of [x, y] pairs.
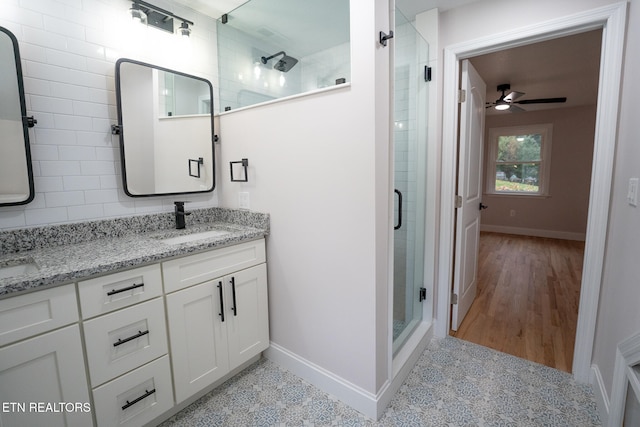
{"points": [[410, 148]]}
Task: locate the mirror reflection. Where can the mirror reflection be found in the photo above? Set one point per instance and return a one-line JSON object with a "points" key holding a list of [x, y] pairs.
{"points": [[166, 130], [16, 176]]}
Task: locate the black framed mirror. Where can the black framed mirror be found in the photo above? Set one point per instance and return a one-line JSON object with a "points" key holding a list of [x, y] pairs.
{"points": [[16, 174], [165, 123]]}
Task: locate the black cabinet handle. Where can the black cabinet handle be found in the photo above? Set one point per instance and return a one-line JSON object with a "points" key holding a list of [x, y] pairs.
{"points": [[221, 301], [233, 293], [131, 338], [138, 399], [399, 209], [128, 288]]}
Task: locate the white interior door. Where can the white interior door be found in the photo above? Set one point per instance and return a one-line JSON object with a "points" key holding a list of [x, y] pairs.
{"points": [[469, 193]]}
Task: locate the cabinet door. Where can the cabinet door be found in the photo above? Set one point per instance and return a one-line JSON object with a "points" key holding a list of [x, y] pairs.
{"points": [[248, 316], [198, 337], [48, 369]]}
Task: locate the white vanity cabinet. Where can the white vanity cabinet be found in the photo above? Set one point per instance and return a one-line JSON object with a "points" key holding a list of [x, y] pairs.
{"points": [[217, 313], [128, 347], [42, 362]]}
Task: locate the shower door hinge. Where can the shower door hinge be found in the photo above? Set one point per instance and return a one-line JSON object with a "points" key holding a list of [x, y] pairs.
{"points": [[384, 37], [423, 294], [454, 298], [427, 73], [462, 96], [458, 202]]}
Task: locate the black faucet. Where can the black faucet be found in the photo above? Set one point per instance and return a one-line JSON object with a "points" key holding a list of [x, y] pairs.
{"points": [[180, 214]]}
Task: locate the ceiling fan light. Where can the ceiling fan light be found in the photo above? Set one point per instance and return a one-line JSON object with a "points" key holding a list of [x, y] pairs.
{"points": [[502, 106]]}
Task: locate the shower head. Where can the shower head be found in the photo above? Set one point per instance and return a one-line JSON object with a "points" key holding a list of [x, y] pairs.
{"points": [[284, 64]]}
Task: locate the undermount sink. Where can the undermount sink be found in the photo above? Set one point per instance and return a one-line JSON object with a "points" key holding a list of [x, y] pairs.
{"points": [[187, 238], [18, 268]]}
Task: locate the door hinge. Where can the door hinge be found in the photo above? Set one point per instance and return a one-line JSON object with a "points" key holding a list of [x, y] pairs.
{"points": [[454, 298], [427, 73], [462, 96], [458, 202], [423, 294]]}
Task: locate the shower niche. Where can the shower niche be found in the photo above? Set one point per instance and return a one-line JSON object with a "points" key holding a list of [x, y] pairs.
{"points": [[270, 50]]}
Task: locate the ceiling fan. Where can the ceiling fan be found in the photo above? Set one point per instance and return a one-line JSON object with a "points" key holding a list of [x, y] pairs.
{"points": [[506, 102]]}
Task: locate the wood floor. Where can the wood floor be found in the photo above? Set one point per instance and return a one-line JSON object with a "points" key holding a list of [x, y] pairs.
{"points": [[527, 299]]}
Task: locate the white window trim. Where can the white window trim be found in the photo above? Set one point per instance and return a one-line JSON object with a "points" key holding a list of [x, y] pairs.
{"points": [[544, 129]]}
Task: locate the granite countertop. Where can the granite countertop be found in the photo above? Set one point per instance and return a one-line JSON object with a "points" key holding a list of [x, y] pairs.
{"points": [[66, 258]]}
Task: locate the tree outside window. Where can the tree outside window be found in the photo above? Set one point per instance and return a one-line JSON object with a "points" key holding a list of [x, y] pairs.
{"points": [[519, 160]]}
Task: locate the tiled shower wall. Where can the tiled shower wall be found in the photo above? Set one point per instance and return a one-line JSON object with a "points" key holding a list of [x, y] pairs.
{"points": [[69, 49]]}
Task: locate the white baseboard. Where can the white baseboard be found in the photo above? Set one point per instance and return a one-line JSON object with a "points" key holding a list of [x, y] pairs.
{"points": [[552, 234], [369, 404], [354, 396], [600, 393]]}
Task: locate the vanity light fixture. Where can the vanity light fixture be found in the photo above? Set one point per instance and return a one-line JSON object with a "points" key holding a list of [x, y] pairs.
{"points": [[162, 19]]}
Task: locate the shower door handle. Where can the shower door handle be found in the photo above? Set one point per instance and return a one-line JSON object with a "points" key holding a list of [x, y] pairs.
{"points": [[399, 224]]}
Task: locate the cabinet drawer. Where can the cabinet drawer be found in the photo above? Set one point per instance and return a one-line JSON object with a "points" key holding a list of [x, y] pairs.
{"points": [[191, 270], [107, 293], [135, 398], [30, 314], [121, 341]]}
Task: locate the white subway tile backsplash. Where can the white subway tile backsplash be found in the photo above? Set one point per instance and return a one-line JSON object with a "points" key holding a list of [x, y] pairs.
{"points": [[64, 198], [53, 136], [110, 181], [43, 38], [45, 216], [32, 52], [70, 91], [119, 209], [37, 86], [101, 196], [73, 183], [91, 109], [44, 152], [97, 168], [100, 139], [12, 218], [85, 212], [71, 152], [60, 168], [90, 50], [16, 14], [63, 27], [51, 105], [46, 184], [71, 122], [107, 154], [67, 60]]}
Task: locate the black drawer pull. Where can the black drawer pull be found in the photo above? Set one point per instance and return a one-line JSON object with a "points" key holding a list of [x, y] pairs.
{"points": [[144, 396], [136, 336], [233, 293], [221, 301], [128, 288]]}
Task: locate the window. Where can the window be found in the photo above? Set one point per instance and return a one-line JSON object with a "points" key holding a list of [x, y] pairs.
{"points": [[519, 160]]}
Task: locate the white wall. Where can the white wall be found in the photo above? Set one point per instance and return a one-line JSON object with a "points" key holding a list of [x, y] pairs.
{"points": [[319, 166], [69, 49], [618, 314]]}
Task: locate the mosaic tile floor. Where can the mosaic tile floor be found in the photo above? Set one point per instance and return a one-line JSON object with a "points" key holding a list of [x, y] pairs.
{"points": [[454, 383]]}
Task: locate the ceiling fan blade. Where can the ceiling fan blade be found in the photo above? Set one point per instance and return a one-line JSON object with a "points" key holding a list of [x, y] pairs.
{"points": [[541, 101], [513, 96], [516, 109]]}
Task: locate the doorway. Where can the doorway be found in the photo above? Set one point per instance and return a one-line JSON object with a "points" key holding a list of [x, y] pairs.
{"points": [[537, 170], [612, 19]]}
